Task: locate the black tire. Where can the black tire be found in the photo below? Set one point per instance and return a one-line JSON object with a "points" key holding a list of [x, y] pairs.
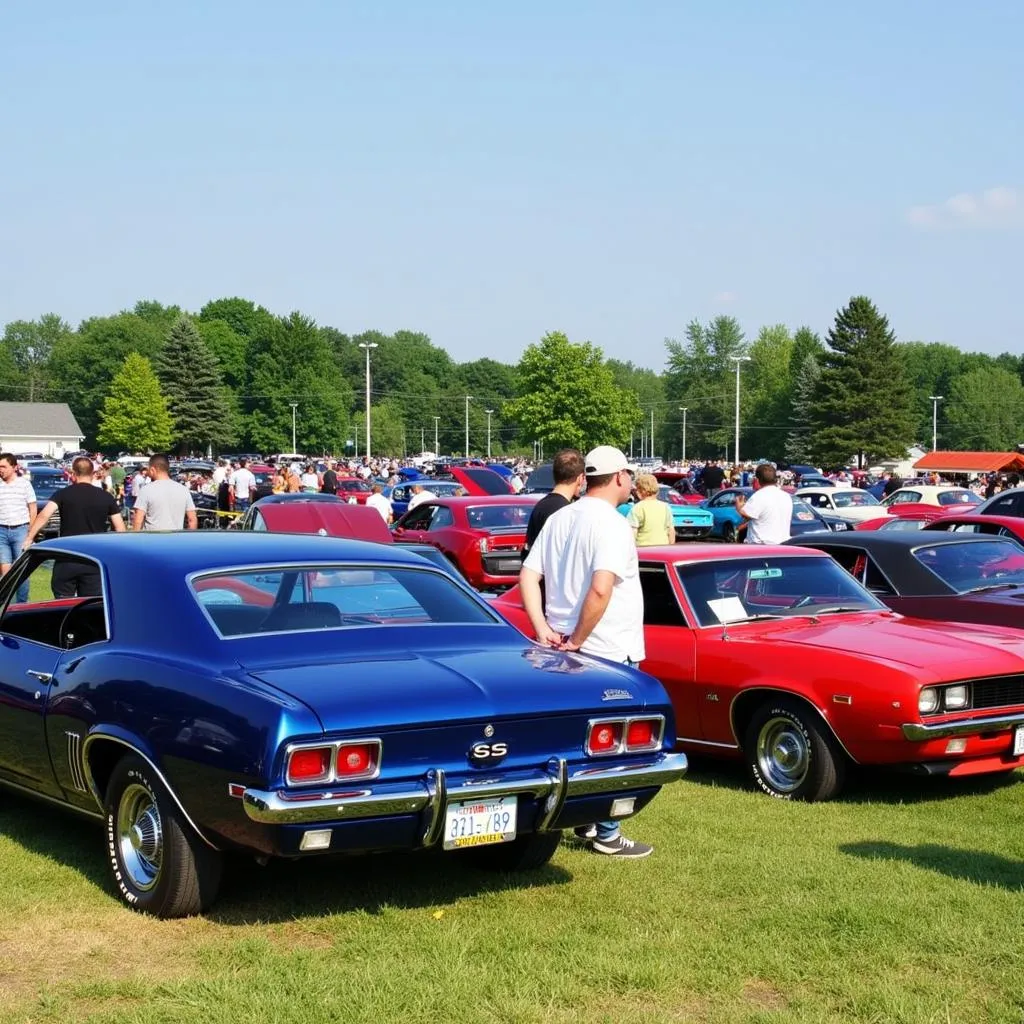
{"points": [[527, 853], [159, 865], [729, 532], [791, 755]]}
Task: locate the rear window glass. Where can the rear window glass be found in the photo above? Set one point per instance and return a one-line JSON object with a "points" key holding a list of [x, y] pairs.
{"points": [[293, 600], [852, 499], [958, 498], [985, 565], [487, 480], [499, 517]]}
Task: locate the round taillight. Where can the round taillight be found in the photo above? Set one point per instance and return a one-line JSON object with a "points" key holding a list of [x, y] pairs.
{"points": [[354, 760], [604, 737]]}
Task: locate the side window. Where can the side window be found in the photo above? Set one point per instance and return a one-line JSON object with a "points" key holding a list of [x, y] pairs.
{"points": [[420, 518], [875, 580], [724, 501], [442, 517], [258, 522], [661, 608], [1007, 505], [399, 494], [57, 601], [851, 559]]}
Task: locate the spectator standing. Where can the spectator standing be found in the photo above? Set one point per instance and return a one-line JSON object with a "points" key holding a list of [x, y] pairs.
{"points": [[243, 483], [309, 479], [83, 509], [649, 518], [17, 510], [768, 511], [382, 504], [567, 473], [329, 481], [587, 560], [139, 480], [164, 504], [712, 478], [419, 495], [117, 476]]}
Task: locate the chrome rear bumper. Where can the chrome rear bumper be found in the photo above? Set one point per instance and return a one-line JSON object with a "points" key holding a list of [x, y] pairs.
{"points": [[557, 784]]}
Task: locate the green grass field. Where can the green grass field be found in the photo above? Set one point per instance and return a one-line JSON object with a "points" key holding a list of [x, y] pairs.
{"points": [[901, 902]]}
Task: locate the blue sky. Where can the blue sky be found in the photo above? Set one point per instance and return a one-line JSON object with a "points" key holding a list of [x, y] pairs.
{"points": [[486, 173]]}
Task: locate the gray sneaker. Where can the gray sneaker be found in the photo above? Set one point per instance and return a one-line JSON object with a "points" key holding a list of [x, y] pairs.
{"points": [[620, 846], [585, 832]]}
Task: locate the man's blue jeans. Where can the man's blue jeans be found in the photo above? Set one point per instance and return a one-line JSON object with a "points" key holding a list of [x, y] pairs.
{"points": [[610, 829], [11, 539]]}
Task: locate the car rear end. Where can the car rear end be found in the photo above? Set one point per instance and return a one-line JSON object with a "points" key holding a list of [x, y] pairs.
{"points": [[691, 522]]}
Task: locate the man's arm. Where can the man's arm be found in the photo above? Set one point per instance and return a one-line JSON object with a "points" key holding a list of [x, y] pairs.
{"points": [[594, 606], [191, 519], [741, 507], [138, 517], [38, 523], [33, 508], [529, 590]]}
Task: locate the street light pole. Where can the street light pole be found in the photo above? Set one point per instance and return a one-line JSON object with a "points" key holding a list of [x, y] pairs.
{"points": [[488, 411], [436, 419], [367, 346], [935, 418], [294, 406], [683, 409], [738, 360], [468, 397]]}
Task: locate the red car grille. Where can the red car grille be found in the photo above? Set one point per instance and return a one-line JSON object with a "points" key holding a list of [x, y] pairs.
{"points": [[1002, 691]]}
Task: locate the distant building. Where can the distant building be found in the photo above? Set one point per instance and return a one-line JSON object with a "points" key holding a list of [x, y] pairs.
{"points": [[49, 428]]}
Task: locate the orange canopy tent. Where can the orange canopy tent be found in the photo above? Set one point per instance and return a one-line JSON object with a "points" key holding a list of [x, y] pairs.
{"points": [[971, 462]]}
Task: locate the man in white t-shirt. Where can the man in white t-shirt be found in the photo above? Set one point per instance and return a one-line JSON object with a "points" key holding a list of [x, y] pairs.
{"points": [[419, 495], [382, 504], [592, 600], [768, 511], [241, 485]]}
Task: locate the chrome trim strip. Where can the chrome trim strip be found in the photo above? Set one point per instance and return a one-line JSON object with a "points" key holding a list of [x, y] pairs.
{"points": [[278, 807], [98, 797], [707, 743], [917, 732], [6, 783], [75, 761], [437, 790], [556, 798], [625, 721]]}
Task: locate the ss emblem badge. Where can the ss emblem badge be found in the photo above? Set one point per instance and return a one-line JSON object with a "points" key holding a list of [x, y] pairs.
{"points": [[486, 754]]}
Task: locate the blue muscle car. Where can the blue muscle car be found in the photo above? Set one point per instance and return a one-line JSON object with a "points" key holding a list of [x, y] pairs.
{"points": [[289, 695]]}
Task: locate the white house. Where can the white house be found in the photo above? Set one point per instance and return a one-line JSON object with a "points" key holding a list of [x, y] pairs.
{"points": [[49, 428]]}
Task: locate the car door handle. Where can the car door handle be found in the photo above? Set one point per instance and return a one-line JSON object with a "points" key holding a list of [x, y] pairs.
{"points": [[43, 677]]}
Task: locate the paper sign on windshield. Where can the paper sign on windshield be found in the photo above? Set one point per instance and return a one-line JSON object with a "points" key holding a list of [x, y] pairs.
{"points": [[728, 609]]}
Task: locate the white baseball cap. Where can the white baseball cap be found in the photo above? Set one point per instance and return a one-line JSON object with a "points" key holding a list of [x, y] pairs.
{"points": [[605, 459]]}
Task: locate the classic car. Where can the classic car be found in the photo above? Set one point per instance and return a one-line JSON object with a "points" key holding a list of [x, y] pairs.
{"points": [[690, 521], [46, 482], [909, 500], [477, 480], [680, 483], [324, 514], [980, 522], [914, 521], [778, 656], [332, 697], [1006, 503], [952, 577], [353, 489], [401, 493], [849, 503], [727, 521], [483, 536]]}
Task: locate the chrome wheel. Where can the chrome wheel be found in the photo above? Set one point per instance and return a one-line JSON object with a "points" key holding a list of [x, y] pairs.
{"points": [[783, 754], [140, 837]]}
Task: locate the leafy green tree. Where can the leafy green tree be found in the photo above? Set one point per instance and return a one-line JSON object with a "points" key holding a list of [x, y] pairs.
{"points": [[31, 344], [388, 433], [135, 415], [566, 395], [190, 377], [228, 346], [984, 410], [291, 361], [649, 388], [84, 363], [798, 448], [241, 315], [766, 393], [863, 401], [12, 387]]}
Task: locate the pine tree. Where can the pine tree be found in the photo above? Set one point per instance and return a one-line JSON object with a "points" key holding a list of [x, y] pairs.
{"points": [[798, 440], [192, 382], [135, 416], [862, 407]]}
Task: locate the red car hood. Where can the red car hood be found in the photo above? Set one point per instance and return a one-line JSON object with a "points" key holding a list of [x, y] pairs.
{"points": [[935, 651]]}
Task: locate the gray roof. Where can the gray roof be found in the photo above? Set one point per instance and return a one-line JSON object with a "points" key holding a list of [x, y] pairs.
{"points": [[38, 419]]}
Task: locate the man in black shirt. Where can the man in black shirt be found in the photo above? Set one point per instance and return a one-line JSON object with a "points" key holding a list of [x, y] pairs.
{"points": [[84, 508], [567, 469], [712, 478], [329, 481]]}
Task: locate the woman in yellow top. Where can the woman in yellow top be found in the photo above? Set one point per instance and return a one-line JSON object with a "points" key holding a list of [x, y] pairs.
{"points": [[650, 518]]}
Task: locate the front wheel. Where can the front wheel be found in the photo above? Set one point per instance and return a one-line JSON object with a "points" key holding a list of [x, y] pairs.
{"points": [[527, 853], [790, 754], [160, 866], [729, 532]]}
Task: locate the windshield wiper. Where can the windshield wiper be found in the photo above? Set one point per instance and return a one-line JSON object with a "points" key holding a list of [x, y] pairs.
{"points": [[836, 609], [991, 586]]}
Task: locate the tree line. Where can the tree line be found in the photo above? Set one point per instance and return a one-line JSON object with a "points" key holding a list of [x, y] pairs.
{"points": [[233, 376]]}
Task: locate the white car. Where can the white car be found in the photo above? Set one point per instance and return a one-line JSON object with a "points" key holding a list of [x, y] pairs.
{"points": [[930, 494], [849, 503]]}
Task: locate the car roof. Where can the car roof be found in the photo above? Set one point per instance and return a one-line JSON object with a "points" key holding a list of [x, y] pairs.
{"points": [[894, 539], [156, 555], [483, 499], [337, 518], [700, 552]]}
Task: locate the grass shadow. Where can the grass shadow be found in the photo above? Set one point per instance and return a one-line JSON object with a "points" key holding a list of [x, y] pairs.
{"points": [[969, 865], [283, 890]]}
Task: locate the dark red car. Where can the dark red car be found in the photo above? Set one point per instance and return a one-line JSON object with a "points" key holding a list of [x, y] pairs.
{"points": [[980, 522], [353, 488], [778, 657], [482, 536], [477, 480], [680, 483], [325, 514]]}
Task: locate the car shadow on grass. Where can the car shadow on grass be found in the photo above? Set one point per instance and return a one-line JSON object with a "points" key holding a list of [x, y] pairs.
{"points": [[970, 865], [282, 890], [863, 785]]}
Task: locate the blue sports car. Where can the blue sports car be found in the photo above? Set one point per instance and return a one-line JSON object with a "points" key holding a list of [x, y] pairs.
{"points": [[401, 493], [291, 695]]}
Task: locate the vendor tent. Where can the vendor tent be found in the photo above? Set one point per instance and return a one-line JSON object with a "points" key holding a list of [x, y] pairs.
{"points": [[971, 462]]}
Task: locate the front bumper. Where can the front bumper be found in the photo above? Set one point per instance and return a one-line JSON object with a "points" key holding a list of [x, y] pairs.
{"points": [[918, 732], [556, 785]]}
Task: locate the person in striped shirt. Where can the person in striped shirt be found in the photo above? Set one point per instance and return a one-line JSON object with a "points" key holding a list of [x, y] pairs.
{"points": [[17, 510]]}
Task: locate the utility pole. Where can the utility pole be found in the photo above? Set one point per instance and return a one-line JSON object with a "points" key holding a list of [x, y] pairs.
{"points": [[683, 409], [294, 406], [935, 418], [468, 397], [488, 411], [436, 419], [738, 360], [367, 346]]}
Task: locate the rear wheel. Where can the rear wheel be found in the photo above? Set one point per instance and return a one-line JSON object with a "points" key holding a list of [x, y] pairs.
{"points": [[729, 532], [790, 754], [527, 853], [159, 864]]}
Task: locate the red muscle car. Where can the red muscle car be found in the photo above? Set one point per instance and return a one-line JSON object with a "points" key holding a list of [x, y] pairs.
{"points": [[778, 656], [482, 536]]}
